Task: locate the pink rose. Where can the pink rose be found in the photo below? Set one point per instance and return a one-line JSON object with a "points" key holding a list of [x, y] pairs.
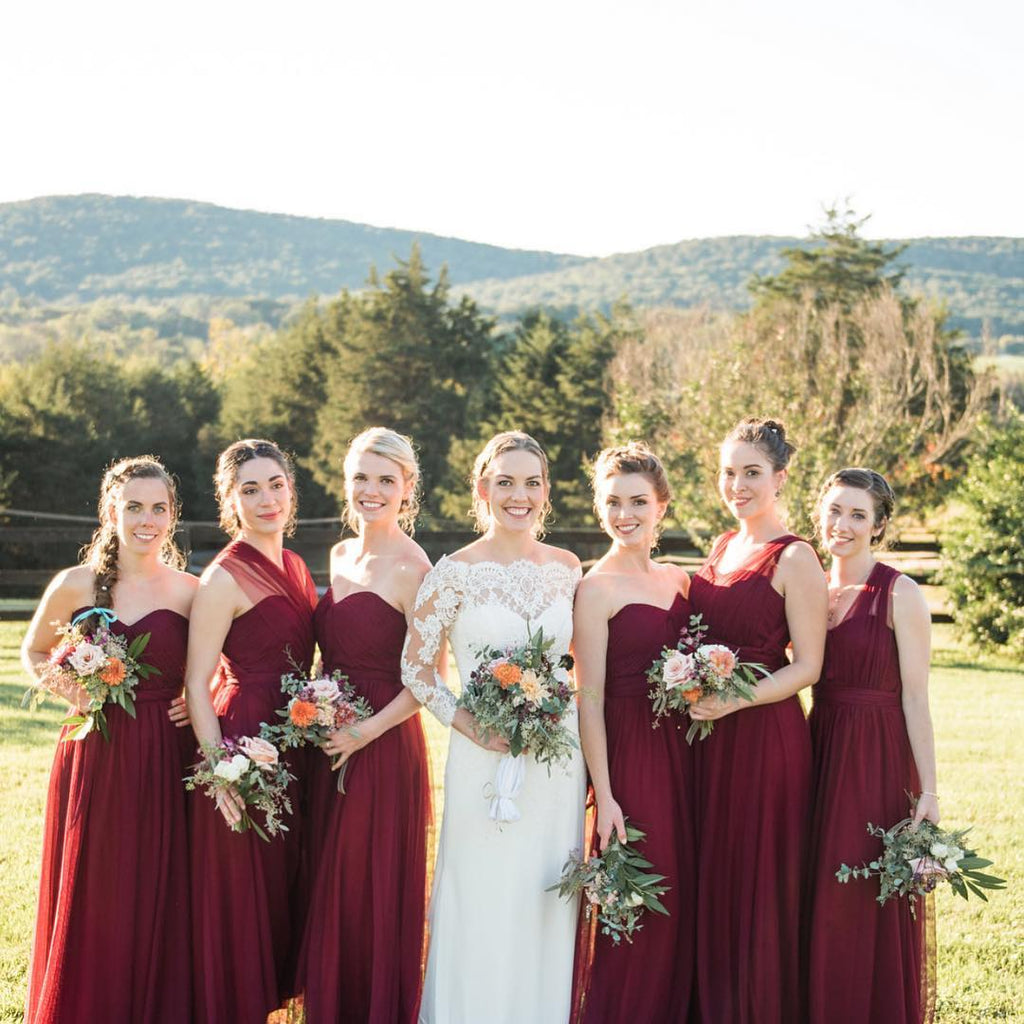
{"points": [[87, 659], [262, 752], [679, 668], [928, 871]]}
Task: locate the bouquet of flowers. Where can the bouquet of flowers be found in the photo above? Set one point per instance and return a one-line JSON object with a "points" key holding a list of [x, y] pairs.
{"points": [[692, 670], [915, 860], [106, 665], [617, 885], [253, 767], [316, 708], [521, 694]]}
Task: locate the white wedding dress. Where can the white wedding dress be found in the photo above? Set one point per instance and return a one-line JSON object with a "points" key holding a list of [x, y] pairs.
{"points": [[501, 947]]}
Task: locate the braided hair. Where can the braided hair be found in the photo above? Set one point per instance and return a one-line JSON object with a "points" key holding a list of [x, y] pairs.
{"points": [[100, 554]]}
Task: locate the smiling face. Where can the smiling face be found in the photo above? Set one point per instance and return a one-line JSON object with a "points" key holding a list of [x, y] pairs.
{"points": [[142, 514], [847, 520], [746, 480], [629, 509], [375, 487], [515, 490], [262, 496]]}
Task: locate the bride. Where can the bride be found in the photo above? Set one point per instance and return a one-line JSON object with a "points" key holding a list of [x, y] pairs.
{"points": [[501, 947]]}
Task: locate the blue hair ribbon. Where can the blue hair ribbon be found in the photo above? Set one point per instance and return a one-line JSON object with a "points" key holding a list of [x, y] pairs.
{"points": [[104, 613]]}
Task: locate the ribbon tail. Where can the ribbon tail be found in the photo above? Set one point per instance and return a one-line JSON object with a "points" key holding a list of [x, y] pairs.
{"points": [[508, 784]]}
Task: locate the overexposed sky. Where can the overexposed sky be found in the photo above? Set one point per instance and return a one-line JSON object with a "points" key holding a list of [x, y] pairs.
{"points": [[590, 127]]}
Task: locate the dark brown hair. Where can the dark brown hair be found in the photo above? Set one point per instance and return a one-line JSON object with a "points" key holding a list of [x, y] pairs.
{"points": [[230, 461], [768, 436], [865, 480]]}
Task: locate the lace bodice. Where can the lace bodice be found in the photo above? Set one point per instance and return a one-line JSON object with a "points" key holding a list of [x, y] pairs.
{"points": [[482, 603]]}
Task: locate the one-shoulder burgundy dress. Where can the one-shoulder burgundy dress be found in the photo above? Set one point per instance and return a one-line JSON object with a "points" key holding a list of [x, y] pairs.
{"points": [[246, 893], [362, 953], [865, 962], [651, 775], [753, 783], [111, 940]]}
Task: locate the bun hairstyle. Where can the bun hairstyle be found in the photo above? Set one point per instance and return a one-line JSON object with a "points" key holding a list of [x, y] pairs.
{"points": [[768, 436], [388, 444], [633, 457], [230, 461], [508, 441], [882, 496], [100, 554]]}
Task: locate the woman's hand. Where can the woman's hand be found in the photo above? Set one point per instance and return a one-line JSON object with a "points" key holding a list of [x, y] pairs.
{"points": [[489, 741], [927, 807], [609, 818], [78, 697], [230, 804], [710, 709], [177, 712], [341, 744]]}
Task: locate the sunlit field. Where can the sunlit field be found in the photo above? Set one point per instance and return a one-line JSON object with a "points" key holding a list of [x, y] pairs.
{"points": [[979, 716]]}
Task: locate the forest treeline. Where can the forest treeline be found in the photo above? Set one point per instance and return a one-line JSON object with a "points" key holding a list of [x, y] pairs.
{"points": [[861, 372]]}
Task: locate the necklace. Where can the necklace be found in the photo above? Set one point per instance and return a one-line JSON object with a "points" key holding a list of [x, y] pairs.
{"points": [[835, 596]]}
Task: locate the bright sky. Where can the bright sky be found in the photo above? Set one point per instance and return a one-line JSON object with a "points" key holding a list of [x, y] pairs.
{"points": [[581, 126]]}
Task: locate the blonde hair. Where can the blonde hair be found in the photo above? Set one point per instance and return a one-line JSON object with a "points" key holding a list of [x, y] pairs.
{"points": [[508, 441], [632, 457], [397, 448], [100, 554], [230, 461]]}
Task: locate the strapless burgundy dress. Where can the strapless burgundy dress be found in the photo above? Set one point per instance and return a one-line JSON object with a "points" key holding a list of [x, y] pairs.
{"points": [[753, 806], [246, 893], [865, 962], [112, 930], [651, 774], [362, 953]]}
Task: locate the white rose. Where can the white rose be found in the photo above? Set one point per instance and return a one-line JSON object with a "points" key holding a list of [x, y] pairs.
{"points": [[950, 863], [232, 770], [939, 850], [87, 659], [955, 852], [324, 689], [635, 899], [560, 675]]}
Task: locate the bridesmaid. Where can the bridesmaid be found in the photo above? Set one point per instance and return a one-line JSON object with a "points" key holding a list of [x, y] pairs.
{"points": [[111, 939], [628, 608], [363, 947], [873, 745], [252, 621], [759, 589]]}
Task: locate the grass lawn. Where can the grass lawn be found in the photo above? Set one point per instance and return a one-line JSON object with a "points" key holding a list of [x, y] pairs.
{"points": [[979, 718]]}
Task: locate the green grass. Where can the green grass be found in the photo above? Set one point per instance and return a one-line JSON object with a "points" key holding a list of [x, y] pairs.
{"points": [[978, 706]]}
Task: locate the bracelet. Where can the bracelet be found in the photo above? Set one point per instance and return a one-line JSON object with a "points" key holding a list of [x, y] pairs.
{"points": [[925, 792]]}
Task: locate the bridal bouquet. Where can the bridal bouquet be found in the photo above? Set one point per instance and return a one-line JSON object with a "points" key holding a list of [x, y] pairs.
{"points": [[915, 860], [692, 670], [252, 767], [521, 694], [104, 664], [316, 708], [617, 885]]}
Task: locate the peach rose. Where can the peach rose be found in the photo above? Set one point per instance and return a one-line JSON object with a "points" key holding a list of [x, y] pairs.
{"points": [[721, 659], [678, 669], [261, 751], [87, 659]]}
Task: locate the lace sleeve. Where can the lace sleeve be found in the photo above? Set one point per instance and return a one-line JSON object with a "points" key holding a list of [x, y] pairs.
{"points": [[437, 604]]}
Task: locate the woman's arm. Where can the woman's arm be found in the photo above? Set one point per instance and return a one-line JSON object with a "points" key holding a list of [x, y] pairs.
{"points": [[68, 591], [912, 624], [590, 651], [802, 584]]}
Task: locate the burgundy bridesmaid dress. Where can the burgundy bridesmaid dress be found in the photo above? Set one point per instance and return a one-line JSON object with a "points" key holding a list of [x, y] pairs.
{"points": [[112, 930], [362, 953], [247, 906], [865, 962], [651, 775], [753, 801]]}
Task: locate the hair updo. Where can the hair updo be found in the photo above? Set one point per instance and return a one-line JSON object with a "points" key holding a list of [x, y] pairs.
{"points": [[230, 461], [882, 496], [508, 441], [632, 457], [388, 444], [767, 436], [100, 554]]}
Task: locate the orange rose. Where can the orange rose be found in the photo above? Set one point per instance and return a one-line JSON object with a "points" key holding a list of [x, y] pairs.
{"points": [[113, 672], [507, 674], [692, 696], [302, 713]]}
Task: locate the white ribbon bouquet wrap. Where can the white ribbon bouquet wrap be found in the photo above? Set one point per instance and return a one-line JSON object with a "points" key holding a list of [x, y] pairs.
{"points": [[508, 784]]}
